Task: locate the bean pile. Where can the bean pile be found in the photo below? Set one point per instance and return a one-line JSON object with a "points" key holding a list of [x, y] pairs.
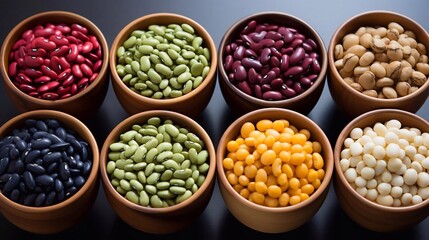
{"points": [[382, 62], [157, 164], [388, 163], [273, 163], [163, 61], [272, 62], [43, 163], [55, 61]]}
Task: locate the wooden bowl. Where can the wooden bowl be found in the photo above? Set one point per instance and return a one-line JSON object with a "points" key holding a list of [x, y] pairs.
{"points": [[190, 104], [64, 215], [354, 103], [167, 219], [366, 213], [240, 102], [274, 219], [82, 105]]}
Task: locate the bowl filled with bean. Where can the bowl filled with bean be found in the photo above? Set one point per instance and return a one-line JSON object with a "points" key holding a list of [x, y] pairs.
{"points": [[163, 61], [378, 59], [48, 171], [381, 174], [274, 168], [56, 60], [158, 171], [271, 59]]}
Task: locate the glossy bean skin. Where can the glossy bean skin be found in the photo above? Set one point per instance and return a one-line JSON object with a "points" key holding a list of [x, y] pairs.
{"points": [[169, 165], [46, 51], [41, 168], [280, 50]]}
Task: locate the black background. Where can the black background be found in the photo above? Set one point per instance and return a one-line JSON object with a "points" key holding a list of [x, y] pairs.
{"points": [[216, 222]]}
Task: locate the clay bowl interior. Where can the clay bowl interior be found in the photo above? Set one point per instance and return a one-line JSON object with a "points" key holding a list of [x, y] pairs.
{"points": [[64, 215], [198, 98], [167, 219], [353, 103], [364, 212], [273, 219], [242, 103], [81, 105]]}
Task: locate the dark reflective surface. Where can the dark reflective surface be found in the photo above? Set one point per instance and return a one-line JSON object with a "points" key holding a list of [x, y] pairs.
{"points": [[216, 222]]}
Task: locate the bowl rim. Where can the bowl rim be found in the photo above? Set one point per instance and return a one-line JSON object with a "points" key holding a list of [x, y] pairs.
{"points": [[320, 80], [140, 118], [329, 164], [199, 29], [335, 74], [32, 21], [339, 146], [72, 123]]}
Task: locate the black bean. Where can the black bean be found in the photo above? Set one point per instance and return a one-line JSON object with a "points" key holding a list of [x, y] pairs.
{"points": [[70, 151], [14, 195], [52, 123], [44, 180], [51, 157], [54, 175], [35, 168], [32, 131], [59, 146], [54, 138], [32, 156], [86, 168], [75, 143], [13, 153], [40, 199], [30, 122], [4, 178], [29, 180], [20, 144], [58, 185], [60, 196], [5, 149], [68, 183], [12, 183], [74, 172], [63, 171], [45, 151], [3, 164], [69, 192], [41, 125], [29, 199], [41, 143], [22, 188], [84, 153], [39, 161], [15, 167], [38, 189], [79, 181], [6, 140], [61, 133], [24, 135], [79, 165], [50, 198], [39, 134]]}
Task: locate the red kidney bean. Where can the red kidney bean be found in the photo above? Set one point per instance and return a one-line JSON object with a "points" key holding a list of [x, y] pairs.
{"points": [[37, 52], [276, 83], [294, 71], [272, 95], [46, 53], [27, 88], [274, 62], [305, 81], [252, 76], [32, 73], [63, 90], [244, 86], [77, 72], [251, 63], [315, 66], [250, 27], [265, 55], [268, 77], [239, 53], [258, 36], [297, 56], [250, 53], [240, 73], [279, 44], [306, 63]]}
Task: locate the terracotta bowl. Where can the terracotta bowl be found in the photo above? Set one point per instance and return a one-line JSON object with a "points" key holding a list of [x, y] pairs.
{"points": [[241, 102], [354, 103], [166, 219], [63, 215], [366, 213], [274, 219], [81, 105], [134, 102]]}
